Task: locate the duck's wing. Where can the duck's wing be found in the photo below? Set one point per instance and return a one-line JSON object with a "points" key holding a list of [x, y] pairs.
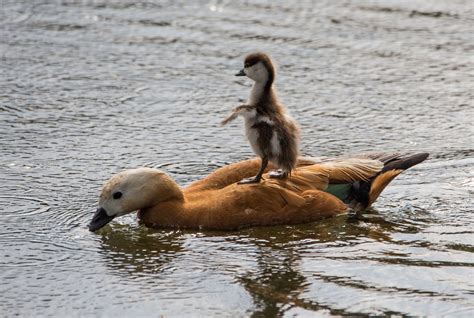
{"points": [[300, 198], [288, 207], [272, 202], [342, 170], [226, 175], [364, 191], [339, 171], [391, 169], [352, 169], [235, 172]]}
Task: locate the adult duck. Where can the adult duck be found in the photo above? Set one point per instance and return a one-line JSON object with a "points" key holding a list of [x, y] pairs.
{"points": [[317, 189]]}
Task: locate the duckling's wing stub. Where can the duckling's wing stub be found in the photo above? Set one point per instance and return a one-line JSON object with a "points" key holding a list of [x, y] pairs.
{"points": [[229, 118]]}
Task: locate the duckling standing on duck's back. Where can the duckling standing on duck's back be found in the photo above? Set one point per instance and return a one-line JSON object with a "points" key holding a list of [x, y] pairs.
{"points": [[272, 133]]}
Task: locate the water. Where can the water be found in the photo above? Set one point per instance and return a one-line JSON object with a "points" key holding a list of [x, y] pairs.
{"points": [[89, 88]]}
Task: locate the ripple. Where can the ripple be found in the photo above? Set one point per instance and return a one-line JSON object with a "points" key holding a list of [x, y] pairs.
{"points": [[18, 207]]}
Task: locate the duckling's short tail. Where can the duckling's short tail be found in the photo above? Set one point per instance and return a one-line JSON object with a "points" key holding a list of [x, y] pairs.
{"points": [[364, 193]]}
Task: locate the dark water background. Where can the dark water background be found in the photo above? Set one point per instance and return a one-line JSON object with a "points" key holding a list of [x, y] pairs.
{"points": [[88, 88]]}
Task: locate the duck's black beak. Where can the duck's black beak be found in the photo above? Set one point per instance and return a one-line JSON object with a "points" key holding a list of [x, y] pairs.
{"points": [[99, 220], [241, 73]]}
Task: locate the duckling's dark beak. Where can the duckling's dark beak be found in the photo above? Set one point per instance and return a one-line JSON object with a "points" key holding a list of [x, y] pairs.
{"points": [[241, 73], [99, 220]]}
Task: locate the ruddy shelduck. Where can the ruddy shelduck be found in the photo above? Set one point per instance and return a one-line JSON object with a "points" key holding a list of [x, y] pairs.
{"points": [[316, 189]]}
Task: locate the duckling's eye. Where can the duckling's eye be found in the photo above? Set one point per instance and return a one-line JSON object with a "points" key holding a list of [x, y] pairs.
{"points": [[246, 65], [117, 195]]}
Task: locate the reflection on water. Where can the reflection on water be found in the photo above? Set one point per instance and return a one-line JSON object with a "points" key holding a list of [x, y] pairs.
{"points": [[139, 253], [92, 87]]}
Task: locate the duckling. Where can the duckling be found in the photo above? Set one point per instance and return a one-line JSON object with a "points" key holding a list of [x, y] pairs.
{"points": [[273, 135]]}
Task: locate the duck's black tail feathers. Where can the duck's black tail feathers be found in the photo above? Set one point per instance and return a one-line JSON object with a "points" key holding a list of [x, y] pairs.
{"points": [[364, 193]]}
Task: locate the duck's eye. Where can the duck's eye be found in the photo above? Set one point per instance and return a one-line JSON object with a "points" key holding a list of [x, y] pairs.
{"points": [[117, 195]]}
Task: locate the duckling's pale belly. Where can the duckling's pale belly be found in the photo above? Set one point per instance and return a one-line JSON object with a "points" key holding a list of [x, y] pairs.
{"points": [[253, 136]]}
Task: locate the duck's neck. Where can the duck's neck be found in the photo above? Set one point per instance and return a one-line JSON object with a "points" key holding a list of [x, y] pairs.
{"points": [[168, 207], [261, 91], [176, 194], [168, 190]]}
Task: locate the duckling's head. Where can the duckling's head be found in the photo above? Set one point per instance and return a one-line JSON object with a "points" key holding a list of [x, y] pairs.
{"points": [[132, 190], [259, 67]]}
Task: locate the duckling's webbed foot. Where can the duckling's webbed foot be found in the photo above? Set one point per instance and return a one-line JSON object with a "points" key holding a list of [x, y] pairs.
{"points": [[258, 177], [250, 180], [278, 174]]}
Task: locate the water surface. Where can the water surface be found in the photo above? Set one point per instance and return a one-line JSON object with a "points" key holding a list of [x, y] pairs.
{"points": [[88, 88]]}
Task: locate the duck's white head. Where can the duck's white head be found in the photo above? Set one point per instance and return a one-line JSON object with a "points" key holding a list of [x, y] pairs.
{"points": [[132, 190], [259, 67]]}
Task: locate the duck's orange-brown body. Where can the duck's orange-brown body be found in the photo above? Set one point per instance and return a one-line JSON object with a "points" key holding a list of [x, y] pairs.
{"points": [[217, 202]]}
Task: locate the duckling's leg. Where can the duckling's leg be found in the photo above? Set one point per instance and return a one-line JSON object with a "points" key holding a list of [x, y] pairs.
{"points": [[258, 177]]}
